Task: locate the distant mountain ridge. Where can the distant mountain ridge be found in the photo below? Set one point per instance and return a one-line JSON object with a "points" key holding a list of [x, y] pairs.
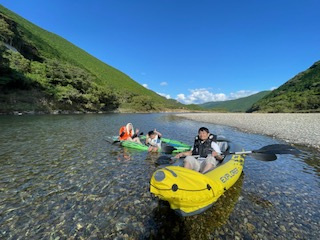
{"points": [[236, 105]]}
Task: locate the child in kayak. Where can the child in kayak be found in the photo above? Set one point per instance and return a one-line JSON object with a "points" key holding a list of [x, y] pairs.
{"points": [[127, 133], [153, 140]]}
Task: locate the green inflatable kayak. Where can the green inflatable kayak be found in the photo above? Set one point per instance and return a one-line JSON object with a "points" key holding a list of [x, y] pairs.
{"points": [[165, 149], [172, 142], [171, 146]]}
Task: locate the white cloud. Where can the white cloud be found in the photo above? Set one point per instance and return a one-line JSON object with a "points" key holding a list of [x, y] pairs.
{"points": [[163, 84], [167, 96], [145, 85], [241, 94], [181, 97], [202, 95]]}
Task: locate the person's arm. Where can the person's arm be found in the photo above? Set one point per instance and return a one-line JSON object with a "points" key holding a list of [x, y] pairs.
{"points": [[183, 154], [135, 134], [216, 152], [158, 133]]}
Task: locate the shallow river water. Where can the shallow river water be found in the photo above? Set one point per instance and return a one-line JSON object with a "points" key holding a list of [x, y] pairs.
{"points": [[61, 179]]}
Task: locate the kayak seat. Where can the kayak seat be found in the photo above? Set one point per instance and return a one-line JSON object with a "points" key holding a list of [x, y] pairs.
{"points": [[223, 146]]}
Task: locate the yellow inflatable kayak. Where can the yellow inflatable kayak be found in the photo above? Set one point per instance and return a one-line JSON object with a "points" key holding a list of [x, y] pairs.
{"points": [[189, 192]]}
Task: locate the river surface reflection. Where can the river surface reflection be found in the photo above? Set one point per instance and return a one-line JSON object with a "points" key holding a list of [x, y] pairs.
{"points": [[61, 179]]}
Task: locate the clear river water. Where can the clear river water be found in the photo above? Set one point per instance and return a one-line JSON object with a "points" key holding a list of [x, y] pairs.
{"points": [[61, 179]]}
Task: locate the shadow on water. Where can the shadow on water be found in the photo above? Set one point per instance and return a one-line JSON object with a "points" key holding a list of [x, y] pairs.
{"points": [[202, 226], [311, 158]]}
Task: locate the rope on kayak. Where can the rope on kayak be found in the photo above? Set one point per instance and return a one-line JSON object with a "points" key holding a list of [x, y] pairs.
{"points": [[175, 187]]}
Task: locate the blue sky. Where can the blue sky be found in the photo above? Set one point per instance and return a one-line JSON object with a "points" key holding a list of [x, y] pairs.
{"points": [[192, 51]]}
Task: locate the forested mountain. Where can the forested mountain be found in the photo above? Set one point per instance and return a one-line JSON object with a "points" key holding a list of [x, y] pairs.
{"points": [[237, 105], [299, 94], [41, 71]]}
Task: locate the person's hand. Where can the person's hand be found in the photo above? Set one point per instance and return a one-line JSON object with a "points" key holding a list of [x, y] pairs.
{"points": [[137, 130], [214, 153], [179, 155], [217, 156]]}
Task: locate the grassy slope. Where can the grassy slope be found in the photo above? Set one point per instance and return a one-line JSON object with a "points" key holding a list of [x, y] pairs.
{"points": [[53, 46], [237, 105], [299, 94]]}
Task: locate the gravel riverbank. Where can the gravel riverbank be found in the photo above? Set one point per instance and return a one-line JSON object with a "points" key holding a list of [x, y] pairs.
{"points": [[295, 128]]}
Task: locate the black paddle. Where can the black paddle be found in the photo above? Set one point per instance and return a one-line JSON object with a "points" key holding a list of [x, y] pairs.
{"points": [[167, 149], [111, 140], [278, 149], [269, 150], [266, 153]]}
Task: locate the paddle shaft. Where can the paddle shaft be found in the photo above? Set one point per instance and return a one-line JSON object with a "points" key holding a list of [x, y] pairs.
{"points": [[271, 149], [244, 152], [266, 153], [256, 155]]}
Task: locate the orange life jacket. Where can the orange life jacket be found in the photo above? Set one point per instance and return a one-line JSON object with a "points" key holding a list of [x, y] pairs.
{"points": [[124, 134]]}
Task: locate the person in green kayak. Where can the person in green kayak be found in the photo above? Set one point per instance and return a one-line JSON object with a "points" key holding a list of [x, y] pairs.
{"points": [[153, 140], [206, 148], [127, 133]]}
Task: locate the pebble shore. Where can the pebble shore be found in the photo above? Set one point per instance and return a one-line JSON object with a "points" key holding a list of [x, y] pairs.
{"points": [[297, 128]]}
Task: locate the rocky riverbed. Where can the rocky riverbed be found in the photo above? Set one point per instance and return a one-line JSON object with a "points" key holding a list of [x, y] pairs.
{"points": [[294, 128]]}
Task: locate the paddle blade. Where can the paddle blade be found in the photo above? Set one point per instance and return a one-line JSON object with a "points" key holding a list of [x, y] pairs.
{"points": [[264, 156], [116, 141], [277, 149], [168, 149], [112, 140]]}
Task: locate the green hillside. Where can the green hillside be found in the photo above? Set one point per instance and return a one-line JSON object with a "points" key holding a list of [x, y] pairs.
{"points": [[35, 62], [299, 94], [237, 105]]}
